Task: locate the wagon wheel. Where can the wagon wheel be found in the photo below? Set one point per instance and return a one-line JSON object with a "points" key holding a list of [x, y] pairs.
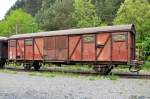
{"points": [[2, 64], [36, 66], [27, 66], [135, 68], [102, 70]]}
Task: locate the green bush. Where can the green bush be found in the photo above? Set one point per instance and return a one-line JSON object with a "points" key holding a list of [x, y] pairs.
{"points": [[147, 65], [112, 77]]}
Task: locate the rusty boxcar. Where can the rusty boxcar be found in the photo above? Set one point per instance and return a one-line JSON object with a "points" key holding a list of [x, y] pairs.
{"points": [[3, 51], [102, 47]]}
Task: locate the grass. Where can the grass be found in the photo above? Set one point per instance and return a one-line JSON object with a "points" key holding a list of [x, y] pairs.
{"points": [[41, 74], [79, 67], [147, 66], [52, 74], [112, 77], [60, 74], [92, 78], [8, 71]]}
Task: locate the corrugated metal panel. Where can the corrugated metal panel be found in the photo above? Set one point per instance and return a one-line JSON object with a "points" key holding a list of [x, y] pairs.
{"points": [[38, 48], [61, 47], [88, 48], [55, 48], [49, 43], [103, 45], [119, 49], [75, 48], [12, 49], [61, 54], [20, 49], [78, 31], [29, 49], [12, 43], [49, 48], [61, 42], [28, 52]]}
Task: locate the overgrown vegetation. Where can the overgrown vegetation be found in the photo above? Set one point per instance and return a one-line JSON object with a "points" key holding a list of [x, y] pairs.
{"points": [[84, 14], [52, 74], [17, 22], [55, 14], [147, 65], [112, 77], [8, 71]]}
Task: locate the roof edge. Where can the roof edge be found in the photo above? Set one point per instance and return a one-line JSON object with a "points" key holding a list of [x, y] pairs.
{"points": [[128, 27]]}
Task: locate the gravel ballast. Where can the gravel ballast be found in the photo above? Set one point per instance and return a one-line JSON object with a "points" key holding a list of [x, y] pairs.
{"points": [[14, 86]]}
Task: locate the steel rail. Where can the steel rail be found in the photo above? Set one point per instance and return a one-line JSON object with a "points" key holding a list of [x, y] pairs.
{"points": [[83, 73]]}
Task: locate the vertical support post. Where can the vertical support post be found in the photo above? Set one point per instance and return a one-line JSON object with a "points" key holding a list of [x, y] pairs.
{"points": [[127, 48], [95, 48], [81, 37], [16, 48], [24, 49], [33, 47], [111, 46], [68, 50], [55, 46]]}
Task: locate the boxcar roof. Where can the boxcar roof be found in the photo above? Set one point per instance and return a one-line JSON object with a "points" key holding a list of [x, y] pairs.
{"points": [[3, 38], [116, 28]]}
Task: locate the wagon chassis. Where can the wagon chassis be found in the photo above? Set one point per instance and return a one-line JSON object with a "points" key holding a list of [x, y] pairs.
{"points": [[99, 67]]}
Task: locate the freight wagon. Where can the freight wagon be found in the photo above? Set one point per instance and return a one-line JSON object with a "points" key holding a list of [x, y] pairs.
{"points": [[3, 51], [101, 47]]}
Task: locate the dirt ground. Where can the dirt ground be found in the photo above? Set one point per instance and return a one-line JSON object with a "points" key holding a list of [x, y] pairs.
{"points": [[20, 86]]}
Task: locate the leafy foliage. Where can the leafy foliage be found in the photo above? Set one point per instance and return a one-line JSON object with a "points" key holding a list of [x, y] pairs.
{"points": [[17, 22], [85, 14], [29, 6], [55, 14], [107, 9], [134, 12], [63, 14]]}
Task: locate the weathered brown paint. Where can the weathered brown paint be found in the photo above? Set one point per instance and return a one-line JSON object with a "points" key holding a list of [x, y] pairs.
{"points": [[75, 48]]}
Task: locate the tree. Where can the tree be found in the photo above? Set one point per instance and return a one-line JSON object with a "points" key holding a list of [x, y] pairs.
{"points": [[55, 15], [17, 22], [135, 12], [29, 6], [84, 14], [3, 28], [107, 9]]}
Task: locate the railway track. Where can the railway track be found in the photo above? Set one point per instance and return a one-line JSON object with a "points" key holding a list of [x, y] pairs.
{"points": [[84, 73]]}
